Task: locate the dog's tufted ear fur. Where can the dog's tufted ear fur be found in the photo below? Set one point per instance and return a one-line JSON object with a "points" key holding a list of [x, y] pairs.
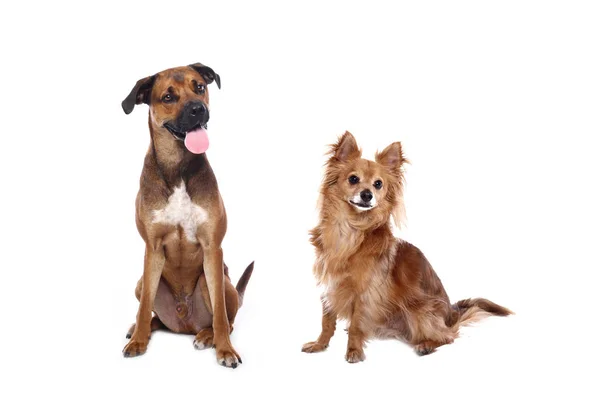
{"points": [[207, 73], [392, 158], [140, 94], [346, 148]]}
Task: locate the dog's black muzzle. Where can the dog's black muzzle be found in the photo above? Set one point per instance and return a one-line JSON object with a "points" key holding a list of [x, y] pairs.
{"points": [[194, 115]]}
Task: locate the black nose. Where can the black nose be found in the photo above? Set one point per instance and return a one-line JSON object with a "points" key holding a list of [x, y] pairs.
{"points": [[366, 195], [193, 114], [197, 108]]}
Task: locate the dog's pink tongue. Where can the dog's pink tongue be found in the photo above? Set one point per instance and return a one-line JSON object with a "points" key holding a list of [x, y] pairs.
{"points": [[197, 141]]}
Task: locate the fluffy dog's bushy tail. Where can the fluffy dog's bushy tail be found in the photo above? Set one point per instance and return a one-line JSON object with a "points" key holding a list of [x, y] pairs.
{"points": [[243, 282], [475, 309]]}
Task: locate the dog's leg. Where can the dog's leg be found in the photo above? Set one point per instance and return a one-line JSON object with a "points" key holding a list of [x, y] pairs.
{"points": [[213, 269], [327, 330], [155, 325], [154, 261], [429, 331], [205, 337], [356, 337], [232, 302]]}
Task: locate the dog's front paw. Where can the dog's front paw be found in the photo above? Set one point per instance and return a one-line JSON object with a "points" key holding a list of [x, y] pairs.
{"points": [[135, 348], [204, 339], [228, 357], [354, 355], [311, 347]]}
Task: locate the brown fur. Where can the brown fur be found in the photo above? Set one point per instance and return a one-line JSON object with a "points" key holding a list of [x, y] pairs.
{"points": [[383, 286], [184, 281]]}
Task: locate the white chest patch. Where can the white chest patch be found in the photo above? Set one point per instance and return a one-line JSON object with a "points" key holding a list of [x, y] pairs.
{"points": [[181, 211]]}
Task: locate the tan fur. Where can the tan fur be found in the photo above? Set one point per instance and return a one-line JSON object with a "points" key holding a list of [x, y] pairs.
{"points": [[182, 219], [383, 286]]}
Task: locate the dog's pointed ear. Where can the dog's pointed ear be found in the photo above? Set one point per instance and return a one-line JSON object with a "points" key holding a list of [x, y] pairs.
{"points": [[207, 73], [346, 148], [391, 157], [140, 94]]}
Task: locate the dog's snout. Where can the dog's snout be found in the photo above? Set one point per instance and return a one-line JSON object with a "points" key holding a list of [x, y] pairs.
{"points": [[197, 109], [366, 195], [193, 114]]}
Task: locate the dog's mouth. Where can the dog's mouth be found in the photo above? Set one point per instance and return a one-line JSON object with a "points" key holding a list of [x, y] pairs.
{"points": [[195, 139], [180, 134], [361, 205]]}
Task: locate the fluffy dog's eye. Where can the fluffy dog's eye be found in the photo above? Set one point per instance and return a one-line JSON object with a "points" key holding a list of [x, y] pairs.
{"points": [[353, 179], [200, 88], [378, 184], [167, 98]]}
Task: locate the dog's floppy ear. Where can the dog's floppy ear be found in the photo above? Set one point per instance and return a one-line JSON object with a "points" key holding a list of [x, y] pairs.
{"points": [[346, 148], [140, 94], [392, 157], [207, 73]]}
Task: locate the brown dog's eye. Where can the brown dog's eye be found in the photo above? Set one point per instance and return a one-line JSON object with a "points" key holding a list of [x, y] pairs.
{"points": [[200, 88], [167, 98], [378, 184], [353, 179]]}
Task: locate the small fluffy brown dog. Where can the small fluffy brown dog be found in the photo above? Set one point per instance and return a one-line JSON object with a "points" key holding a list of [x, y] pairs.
{"points": [[383, 286]]}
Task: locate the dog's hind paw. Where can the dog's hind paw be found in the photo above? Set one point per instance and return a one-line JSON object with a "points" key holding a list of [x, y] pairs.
{"points": [[204, 339], [155, 324]]}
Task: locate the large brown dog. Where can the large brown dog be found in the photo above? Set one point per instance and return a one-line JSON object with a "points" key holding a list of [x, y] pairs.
{"points": [[181, 217]]}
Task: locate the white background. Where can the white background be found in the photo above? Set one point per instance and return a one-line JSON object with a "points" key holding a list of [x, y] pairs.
{"points": [[496, 105]]}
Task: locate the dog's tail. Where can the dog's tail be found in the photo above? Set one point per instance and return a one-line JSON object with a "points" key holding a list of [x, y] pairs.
{"points": [[475, 309], [243, 282]]}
